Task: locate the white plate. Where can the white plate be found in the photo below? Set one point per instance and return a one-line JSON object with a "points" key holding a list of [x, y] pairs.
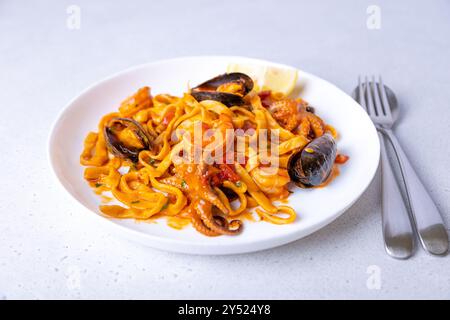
{"points": [[315, 208]]}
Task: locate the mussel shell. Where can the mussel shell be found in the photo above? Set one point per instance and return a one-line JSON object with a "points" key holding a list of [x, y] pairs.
{"points": [[214, 83], [117, 147], [312, 165], [207, 89], [227, 99]]}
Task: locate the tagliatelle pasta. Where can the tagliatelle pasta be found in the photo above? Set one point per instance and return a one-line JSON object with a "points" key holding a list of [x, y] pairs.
{"points": [[208, 157]]}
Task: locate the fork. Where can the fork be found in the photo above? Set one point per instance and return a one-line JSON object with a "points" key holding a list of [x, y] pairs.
{"points": [[425, 216], [396, 225]]}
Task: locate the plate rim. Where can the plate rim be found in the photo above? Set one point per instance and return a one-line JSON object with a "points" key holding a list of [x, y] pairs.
{"points": [[179, 245]]}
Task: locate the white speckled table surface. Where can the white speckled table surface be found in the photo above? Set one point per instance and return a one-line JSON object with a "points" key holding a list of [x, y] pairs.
{"points": [[50, 250]]}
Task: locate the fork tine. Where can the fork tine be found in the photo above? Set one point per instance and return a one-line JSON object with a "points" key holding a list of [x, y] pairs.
{"points": [[362, 100], [378, 105], [370, 109], [384, 99]]}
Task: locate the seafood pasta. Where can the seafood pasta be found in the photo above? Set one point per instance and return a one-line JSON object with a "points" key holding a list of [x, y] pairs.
{"points": [[210, 157]]}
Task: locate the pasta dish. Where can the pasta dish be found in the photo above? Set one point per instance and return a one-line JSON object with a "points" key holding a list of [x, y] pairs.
{"points": [[223, 152]]}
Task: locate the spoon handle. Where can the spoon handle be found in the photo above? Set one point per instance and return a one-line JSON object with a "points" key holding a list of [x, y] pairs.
{"points": [[397, 229], [430, 226]]}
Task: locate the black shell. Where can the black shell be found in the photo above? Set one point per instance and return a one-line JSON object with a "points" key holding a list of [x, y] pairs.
{"points": [[117, 147], [207, 90], [311, 166]]}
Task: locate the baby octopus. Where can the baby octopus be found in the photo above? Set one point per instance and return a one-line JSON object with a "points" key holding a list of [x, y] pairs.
{"points": [[206, 210], [297, 115]]}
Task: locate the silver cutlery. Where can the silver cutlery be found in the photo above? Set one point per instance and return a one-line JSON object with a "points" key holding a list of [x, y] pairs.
{"points": [[397, 230], [381, 105]]}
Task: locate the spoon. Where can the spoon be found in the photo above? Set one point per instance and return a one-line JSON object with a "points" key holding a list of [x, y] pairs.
{"points": [[428, 222]]}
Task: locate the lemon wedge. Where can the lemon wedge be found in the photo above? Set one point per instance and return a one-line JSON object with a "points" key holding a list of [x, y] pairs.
{"points": [[268, 78]]}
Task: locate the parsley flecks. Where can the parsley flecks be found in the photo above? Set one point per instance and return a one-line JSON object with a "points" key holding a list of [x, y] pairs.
{"points": [[98, 185], [238, 184], [165, 206], [183, 184]]}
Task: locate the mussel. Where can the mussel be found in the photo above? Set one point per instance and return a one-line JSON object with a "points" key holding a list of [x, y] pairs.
{"points": [[118, 147], [312, 165], [228, 88]]}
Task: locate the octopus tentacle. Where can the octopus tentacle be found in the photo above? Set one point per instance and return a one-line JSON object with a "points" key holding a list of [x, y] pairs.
{"points": [[210, 196], [200, 226], [221, 221], [311, 124], [287, 114], [284, 112], [317, 124], [172, 181], [235, 225], [204, 209], [193, 179], [207, 192], [304, 127]]}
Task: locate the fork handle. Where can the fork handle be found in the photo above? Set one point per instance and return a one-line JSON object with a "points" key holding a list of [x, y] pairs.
{"points": [[397, 229], [430, 226]]}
